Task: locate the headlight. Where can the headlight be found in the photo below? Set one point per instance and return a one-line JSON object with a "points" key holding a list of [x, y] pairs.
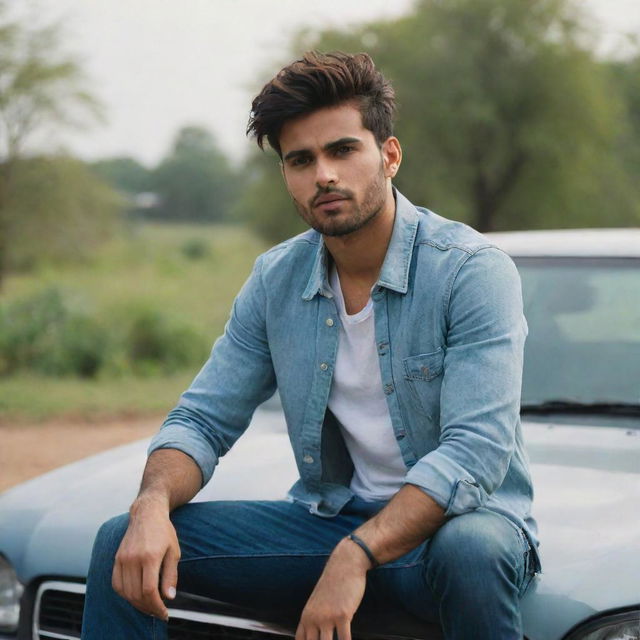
{"points": [[10, 592], [619, 626]]}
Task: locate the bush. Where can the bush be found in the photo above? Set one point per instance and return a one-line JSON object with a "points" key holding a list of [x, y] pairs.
{"points": [[42, 334], [155, 344], [195, 249]]}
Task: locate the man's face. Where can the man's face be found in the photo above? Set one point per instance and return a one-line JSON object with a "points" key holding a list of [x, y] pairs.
{"points": [[334, 170]]}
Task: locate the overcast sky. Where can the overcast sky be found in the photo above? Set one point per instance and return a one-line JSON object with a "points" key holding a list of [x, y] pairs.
{"points": [[159, 64]]}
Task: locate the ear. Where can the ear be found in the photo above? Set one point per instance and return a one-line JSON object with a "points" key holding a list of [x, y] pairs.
{"points": [[391, 156]]}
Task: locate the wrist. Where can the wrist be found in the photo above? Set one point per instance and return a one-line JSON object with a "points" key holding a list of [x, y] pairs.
{"points": [[149, 502], [350, 554]]}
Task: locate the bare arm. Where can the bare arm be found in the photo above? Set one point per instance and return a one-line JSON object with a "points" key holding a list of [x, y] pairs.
{"points": [[149, 551], [410, 518]]}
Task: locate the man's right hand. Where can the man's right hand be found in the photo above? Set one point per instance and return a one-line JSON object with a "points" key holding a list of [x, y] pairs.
{"points": [[146, 564]]}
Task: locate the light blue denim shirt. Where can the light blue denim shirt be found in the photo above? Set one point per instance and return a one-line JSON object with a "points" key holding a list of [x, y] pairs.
{"points": [[449, 332]]}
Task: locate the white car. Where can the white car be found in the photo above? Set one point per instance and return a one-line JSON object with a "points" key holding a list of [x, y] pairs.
{"points": [[581, 420]]}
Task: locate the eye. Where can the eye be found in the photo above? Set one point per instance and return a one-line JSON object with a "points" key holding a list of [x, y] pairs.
{"points": [[344, 149], [299, 161]]}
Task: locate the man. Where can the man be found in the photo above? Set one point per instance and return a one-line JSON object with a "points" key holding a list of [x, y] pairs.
{"points": [[395, 339]]}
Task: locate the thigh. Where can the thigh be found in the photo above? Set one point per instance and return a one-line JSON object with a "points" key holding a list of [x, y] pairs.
{"points": [[262, 554]]}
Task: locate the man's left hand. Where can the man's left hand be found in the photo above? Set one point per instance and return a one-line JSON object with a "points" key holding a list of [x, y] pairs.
{"points": [[337, 595]]}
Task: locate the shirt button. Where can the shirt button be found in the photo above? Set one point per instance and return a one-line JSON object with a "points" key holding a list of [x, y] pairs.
{"points": [[329, 322], [388, 389], [324, 366], [308, 459]]}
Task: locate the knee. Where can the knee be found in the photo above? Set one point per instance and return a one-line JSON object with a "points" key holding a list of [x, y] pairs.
{"points": [[479, 541]]}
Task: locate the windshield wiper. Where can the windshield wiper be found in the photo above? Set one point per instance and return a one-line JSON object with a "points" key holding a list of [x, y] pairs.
{"points": [[570, 406]]}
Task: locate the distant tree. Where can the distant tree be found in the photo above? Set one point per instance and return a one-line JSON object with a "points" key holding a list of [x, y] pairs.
{"points": [[507, 119], [626, 74], [195, 181], [57, 210], [265, 204], [125, 174], [39, 84]]}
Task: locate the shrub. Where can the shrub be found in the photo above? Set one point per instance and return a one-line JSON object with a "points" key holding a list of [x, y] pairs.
{"points": [[195, 249], [153, 343], [42, 334]]}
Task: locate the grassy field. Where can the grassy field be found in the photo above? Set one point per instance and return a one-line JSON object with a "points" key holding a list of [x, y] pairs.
{"points": [[191, 272]]}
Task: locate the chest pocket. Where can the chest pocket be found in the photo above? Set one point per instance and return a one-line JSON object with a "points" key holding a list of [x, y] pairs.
{"points": [[423, 377]]}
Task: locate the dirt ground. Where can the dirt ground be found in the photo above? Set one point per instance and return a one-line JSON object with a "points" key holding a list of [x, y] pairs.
{"points": [[27, 450]]}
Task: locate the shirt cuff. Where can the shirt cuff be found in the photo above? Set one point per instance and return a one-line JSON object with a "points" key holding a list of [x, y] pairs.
{"points": [[183, 439], [448, 483]]}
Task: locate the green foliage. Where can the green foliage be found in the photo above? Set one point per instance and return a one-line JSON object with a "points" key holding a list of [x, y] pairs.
{"points": [[139, 307], [195, 248], [507, 119], [265, 204], [42, 334], [39, 82], [154, 344], [56, 210], [125, 174], [40, 85], [195, 182]]}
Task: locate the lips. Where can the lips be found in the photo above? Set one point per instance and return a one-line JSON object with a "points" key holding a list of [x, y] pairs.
{"points": [[328, 198]]}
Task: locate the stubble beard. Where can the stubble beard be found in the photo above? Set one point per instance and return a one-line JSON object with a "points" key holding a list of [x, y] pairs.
{"points": [[336, 225]]}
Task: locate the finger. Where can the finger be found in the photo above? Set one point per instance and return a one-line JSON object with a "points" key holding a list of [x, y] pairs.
{"points": [[131, 582], [300, 635], [169, 575], [344, 631], [327, 633], [151, 600], [116, 579]]}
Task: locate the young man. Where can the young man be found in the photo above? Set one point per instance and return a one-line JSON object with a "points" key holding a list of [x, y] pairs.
{"points": [[395, 339]]}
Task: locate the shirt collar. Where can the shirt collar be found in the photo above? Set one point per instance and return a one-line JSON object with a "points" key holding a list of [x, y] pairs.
{"points": [[394, 274]]}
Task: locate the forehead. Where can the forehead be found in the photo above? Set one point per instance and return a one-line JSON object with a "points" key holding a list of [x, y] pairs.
{"points": [[316, 129]]}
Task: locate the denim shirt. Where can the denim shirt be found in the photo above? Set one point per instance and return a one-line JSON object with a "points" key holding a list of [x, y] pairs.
{"points": [[449, 330]]}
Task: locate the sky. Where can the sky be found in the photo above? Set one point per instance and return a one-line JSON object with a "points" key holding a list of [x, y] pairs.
{"points": [[157, 65]]}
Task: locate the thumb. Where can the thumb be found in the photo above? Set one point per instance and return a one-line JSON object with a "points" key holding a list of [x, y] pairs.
{"points": [[169, 580]]}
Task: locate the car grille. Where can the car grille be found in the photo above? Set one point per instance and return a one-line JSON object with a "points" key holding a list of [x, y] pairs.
{"points": [[59, 606]]}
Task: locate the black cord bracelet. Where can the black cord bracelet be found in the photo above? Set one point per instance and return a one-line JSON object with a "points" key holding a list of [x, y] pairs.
{"points": [[363, 545]]}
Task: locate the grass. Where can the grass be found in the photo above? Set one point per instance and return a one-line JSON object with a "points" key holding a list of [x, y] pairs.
{"points": [[30, 398], [147, 265]]}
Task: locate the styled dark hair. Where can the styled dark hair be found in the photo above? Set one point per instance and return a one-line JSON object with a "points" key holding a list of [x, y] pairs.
{"points": [[323, 80]]}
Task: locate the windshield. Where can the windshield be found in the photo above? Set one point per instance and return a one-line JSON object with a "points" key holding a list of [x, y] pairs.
{"points": [[584, 330]]}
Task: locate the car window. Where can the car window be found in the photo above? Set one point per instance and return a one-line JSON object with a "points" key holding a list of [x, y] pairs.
{"points": [[584, 329]]}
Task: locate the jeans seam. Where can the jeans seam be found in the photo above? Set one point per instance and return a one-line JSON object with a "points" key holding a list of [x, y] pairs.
{"points": [[257, 555]]}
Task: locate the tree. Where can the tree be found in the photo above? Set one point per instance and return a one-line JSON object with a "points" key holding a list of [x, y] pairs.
{"points": [[57, 210], [507, 119], [39, 84], [195, 182], [124, 174]]}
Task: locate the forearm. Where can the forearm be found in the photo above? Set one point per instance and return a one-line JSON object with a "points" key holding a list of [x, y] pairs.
{"points": [[408, 520], [171, 478]]}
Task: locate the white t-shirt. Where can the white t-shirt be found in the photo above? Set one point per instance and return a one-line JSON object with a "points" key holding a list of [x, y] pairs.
{"points": [[358, 402]]}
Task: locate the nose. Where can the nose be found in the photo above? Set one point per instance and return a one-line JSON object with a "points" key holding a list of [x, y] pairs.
{"points": [[326, 173]]}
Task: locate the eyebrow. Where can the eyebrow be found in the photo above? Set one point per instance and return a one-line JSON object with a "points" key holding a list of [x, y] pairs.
{"points": [[327, 147]]}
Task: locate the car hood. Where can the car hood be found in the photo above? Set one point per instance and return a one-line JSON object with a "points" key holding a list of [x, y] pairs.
{"points": [[587, 482]]}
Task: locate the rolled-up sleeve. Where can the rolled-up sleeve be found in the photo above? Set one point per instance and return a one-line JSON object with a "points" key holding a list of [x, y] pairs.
{"points": [[216, 409], [481, 385]]}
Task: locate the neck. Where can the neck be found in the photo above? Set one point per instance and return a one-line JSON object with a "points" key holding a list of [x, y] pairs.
{"points": [[359, 255]]}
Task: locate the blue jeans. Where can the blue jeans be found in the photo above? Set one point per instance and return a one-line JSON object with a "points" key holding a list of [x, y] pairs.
{"points": [[468, 577]]}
